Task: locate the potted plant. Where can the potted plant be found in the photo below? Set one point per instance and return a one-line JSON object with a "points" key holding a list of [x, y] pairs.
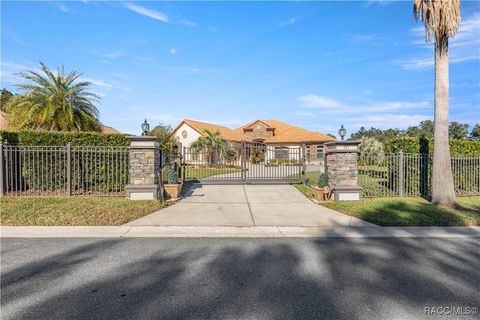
{"points": [[322, 192], [173, 187]]}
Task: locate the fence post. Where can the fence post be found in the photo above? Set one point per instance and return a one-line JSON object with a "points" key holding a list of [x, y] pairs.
{"points": [[342, 170], [144, 164], [304, 164], [184, 163], [1, 170], [401, 178], [69, 169]]}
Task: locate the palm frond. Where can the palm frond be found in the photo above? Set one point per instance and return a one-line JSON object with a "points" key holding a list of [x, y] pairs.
{"points": [[54, 101], [441, 17]]}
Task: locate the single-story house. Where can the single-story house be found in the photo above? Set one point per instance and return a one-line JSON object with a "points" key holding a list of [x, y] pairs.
{"points": [[275, 136], [4, 125]]}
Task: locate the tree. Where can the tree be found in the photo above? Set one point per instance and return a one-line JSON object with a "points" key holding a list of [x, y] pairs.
{"points": [[423, 130], [213, 143], [372, 133], [442, 19], [373, 149], [53, 101], [458, 131], [5, 96], [475, 133], [163, 132]]}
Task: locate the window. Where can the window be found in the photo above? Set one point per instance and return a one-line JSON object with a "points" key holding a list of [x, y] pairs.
{"points": [[281, 153], [308, 152], [320, 152]]}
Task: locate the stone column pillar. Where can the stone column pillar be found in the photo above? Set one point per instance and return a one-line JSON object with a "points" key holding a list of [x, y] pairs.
{"points": [[144, 165], [341, 166]]}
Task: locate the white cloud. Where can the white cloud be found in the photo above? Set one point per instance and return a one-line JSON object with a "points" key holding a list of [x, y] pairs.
{"points": [[106, 84], [188, 23], [386, 121], [108, 54], [369, 3], [195, 70], [314, 101], [370, 39], [304, 113], [378, 114], [464, 46], [173, 51], [60, 6], [9, 71], [332, 106], [427, 63], [147, 12], [290, 21], [212, 29]]}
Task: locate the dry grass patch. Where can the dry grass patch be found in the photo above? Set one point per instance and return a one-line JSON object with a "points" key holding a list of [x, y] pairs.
{"points": [[73, 211]]}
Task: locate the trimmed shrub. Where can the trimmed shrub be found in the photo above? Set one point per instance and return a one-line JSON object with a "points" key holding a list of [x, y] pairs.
{"points": [[322, 180], [172, 177], [61, 138], [422, 145]]}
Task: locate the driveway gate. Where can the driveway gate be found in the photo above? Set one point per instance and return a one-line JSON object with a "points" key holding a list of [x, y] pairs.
{"points": [[244, 162]]}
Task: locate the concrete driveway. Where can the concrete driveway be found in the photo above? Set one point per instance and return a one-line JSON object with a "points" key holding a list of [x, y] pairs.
{"points": [[247, 206]]}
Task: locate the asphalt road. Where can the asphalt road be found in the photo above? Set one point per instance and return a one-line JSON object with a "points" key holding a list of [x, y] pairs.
{"points": [[177, 278]]}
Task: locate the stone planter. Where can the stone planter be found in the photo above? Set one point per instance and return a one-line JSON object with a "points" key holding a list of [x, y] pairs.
{"points": [[173, 191], [321, 194]]}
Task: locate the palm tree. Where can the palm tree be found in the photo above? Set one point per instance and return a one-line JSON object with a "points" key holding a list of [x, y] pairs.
{"points": [[213, 143], [53, 101], [442, 19]]}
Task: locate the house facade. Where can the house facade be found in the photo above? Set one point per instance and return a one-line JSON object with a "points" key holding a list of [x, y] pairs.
{"points": [[276, 140]]}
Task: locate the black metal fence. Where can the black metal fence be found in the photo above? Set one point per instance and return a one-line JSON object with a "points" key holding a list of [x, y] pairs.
{"points": [[406, 174], [63, 170]]}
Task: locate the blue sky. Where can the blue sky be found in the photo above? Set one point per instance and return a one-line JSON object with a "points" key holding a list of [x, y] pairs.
{"points": [[313, 64]]}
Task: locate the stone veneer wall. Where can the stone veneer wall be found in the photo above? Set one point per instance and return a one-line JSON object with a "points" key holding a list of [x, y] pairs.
{"points": [[259, 131], [342, 169], [144, 164]]}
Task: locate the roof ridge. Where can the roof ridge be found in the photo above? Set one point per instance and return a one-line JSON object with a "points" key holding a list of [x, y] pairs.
{"points": [[210, 124]]}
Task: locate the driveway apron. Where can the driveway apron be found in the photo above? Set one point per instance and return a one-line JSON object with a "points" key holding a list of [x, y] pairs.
{"points": [[247, 206]]}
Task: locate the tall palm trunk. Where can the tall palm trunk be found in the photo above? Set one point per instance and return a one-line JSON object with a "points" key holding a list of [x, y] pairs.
{"points": [[443, 192]]}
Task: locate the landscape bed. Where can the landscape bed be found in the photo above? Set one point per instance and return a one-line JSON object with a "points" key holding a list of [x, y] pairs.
{"points": [[73, 211]]}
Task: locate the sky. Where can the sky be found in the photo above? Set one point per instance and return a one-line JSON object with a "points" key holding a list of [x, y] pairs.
{"points": [[316, 65]]}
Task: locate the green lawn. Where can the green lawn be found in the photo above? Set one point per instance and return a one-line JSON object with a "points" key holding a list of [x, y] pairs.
{"points": [[73, 211], [192, 173], [411, 212], [406, 211]]}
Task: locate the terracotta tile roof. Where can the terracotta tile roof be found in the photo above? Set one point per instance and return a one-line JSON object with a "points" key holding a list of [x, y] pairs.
{"points": [[107, 129], [283, 132], [286, 133], [4, 125], [200, 127]]}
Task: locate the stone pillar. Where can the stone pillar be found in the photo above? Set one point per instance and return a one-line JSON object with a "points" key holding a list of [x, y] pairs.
{"points": [[144, 165], [341, 166]]}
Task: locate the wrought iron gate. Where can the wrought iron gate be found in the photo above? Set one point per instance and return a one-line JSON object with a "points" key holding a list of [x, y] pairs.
{"points": [[244, 162]]}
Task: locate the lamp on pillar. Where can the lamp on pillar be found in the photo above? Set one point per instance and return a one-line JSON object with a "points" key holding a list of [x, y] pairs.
{"points": [[145, 128], [342, 132]]}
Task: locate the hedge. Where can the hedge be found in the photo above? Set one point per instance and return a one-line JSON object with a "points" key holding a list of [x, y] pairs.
{"points": [[422, 145], [48, 138]]}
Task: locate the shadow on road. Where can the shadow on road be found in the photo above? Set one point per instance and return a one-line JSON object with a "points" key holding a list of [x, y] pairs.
{"points": [[375, 278]]}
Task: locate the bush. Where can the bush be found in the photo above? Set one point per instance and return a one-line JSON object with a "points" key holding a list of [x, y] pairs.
{"points": [[47, 138], [172, 177], [423, 145], [322, 180]]}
